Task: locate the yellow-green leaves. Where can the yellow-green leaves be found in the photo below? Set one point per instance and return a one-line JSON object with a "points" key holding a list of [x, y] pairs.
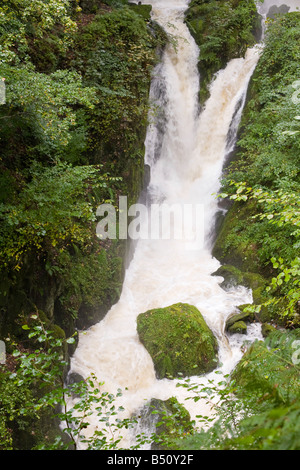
{"points": [[49, 101], [53, 210], [18, 19]]}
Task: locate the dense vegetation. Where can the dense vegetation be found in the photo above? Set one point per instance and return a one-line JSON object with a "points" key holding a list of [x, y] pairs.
{"points": [[258, 405], [261, 230], [72, 131], [223, 29], [77, 77]]}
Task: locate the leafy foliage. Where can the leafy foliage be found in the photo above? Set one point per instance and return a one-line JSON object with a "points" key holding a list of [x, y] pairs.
{"points": [[257, 406], [116, 54], [279, 209], [90, 416], [223, 30], [51, 106], [20, 19], [51, 211], [39, 376], [269, 148], [72, 132], [72, 135], [263, 181]]}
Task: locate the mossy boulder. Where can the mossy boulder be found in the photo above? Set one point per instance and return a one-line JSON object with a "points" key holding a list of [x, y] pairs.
{"points": [[238, 327], [233, 246], [170, 419], [237, 323], [234, 276], [178, 340], [223, 29]]}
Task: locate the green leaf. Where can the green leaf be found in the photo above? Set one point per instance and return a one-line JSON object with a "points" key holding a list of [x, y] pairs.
{"points": [[70, 340]]}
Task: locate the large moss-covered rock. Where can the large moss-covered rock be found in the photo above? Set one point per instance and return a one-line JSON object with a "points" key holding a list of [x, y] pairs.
{"points": [[178, 340], [223, 29], [232, 246]]}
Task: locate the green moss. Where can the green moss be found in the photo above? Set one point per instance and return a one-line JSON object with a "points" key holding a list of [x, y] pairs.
{"points": [[234, 276], [267, 329], [223, 29], [234, 244], [258, 295], [178, 340], [91, 283], [239, 317], [143, 10], [238, 327], [253, 280]]}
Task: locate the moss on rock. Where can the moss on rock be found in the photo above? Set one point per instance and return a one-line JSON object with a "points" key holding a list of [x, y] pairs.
{"points": [[178, 340], [223, 29], [244, 317], [143, 10], [267, 329], [238, 327], [233, 246], [234, 276], [170, 419]]}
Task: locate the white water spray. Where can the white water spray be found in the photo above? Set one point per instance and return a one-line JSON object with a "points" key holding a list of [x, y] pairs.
{"points": [[186, 152]]}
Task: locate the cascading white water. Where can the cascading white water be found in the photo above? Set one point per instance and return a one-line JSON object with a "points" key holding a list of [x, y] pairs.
{"points": [[186, 152]]}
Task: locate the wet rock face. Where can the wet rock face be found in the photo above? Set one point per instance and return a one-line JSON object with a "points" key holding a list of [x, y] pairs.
{"points": [[178, 340]]}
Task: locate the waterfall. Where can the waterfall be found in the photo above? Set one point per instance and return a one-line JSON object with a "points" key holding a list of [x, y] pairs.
{"points": [[186, 151]]}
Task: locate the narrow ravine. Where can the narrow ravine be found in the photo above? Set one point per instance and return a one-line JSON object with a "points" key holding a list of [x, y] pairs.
{"points": [[186, 152]]}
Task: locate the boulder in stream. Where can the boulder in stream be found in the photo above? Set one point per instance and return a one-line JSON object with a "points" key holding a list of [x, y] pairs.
{"points": [[178, 340]]}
